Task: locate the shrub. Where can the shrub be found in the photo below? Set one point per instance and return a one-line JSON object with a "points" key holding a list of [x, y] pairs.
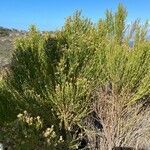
{"points": [[28, 132], [52, 87], [61, 76]]}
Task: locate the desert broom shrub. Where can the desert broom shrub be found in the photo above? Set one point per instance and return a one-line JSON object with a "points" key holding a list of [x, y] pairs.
{"points": [[49, 79], [28, 132], [123, 75], [79, 69]]}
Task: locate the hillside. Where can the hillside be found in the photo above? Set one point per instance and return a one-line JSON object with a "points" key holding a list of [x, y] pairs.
{"points": [[7, 37]]}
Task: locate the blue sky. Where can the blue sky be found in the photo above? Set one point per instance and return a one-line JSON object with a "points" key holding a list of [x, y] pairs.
{"points": [[51, 14]]}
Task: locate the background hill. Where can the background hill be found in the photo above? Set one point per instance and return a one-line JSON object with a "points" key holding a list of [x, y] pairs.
{"points": [[7, 37]]}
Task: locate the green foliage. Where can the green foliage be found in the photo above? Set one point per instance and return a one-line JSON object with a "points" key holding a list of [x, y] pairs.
{"points": [[28, 132], [52, 87], [120, 17], [55, 75]]}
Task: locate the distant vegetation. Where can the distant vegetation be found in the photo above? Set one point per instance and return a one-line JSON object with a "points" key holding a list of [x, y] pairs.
{"points": [[83, 87], [7, 32], [4, 31]]}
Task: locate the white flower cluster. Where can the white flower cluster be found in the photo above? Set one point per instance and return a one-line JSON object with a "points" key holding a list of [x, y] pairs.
{"points": [[49, 132], [26, 118], [50, 135]]}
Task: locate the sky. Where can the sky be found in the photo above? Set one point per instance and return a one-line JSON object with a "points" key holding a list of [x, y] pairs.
{"points": [[51, 14]]}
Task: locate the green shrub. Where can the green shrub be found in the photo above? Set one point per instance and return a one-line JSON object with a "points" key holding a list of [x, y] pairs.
{"points": [[28, 132], [56, 76], [52, 87]]}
